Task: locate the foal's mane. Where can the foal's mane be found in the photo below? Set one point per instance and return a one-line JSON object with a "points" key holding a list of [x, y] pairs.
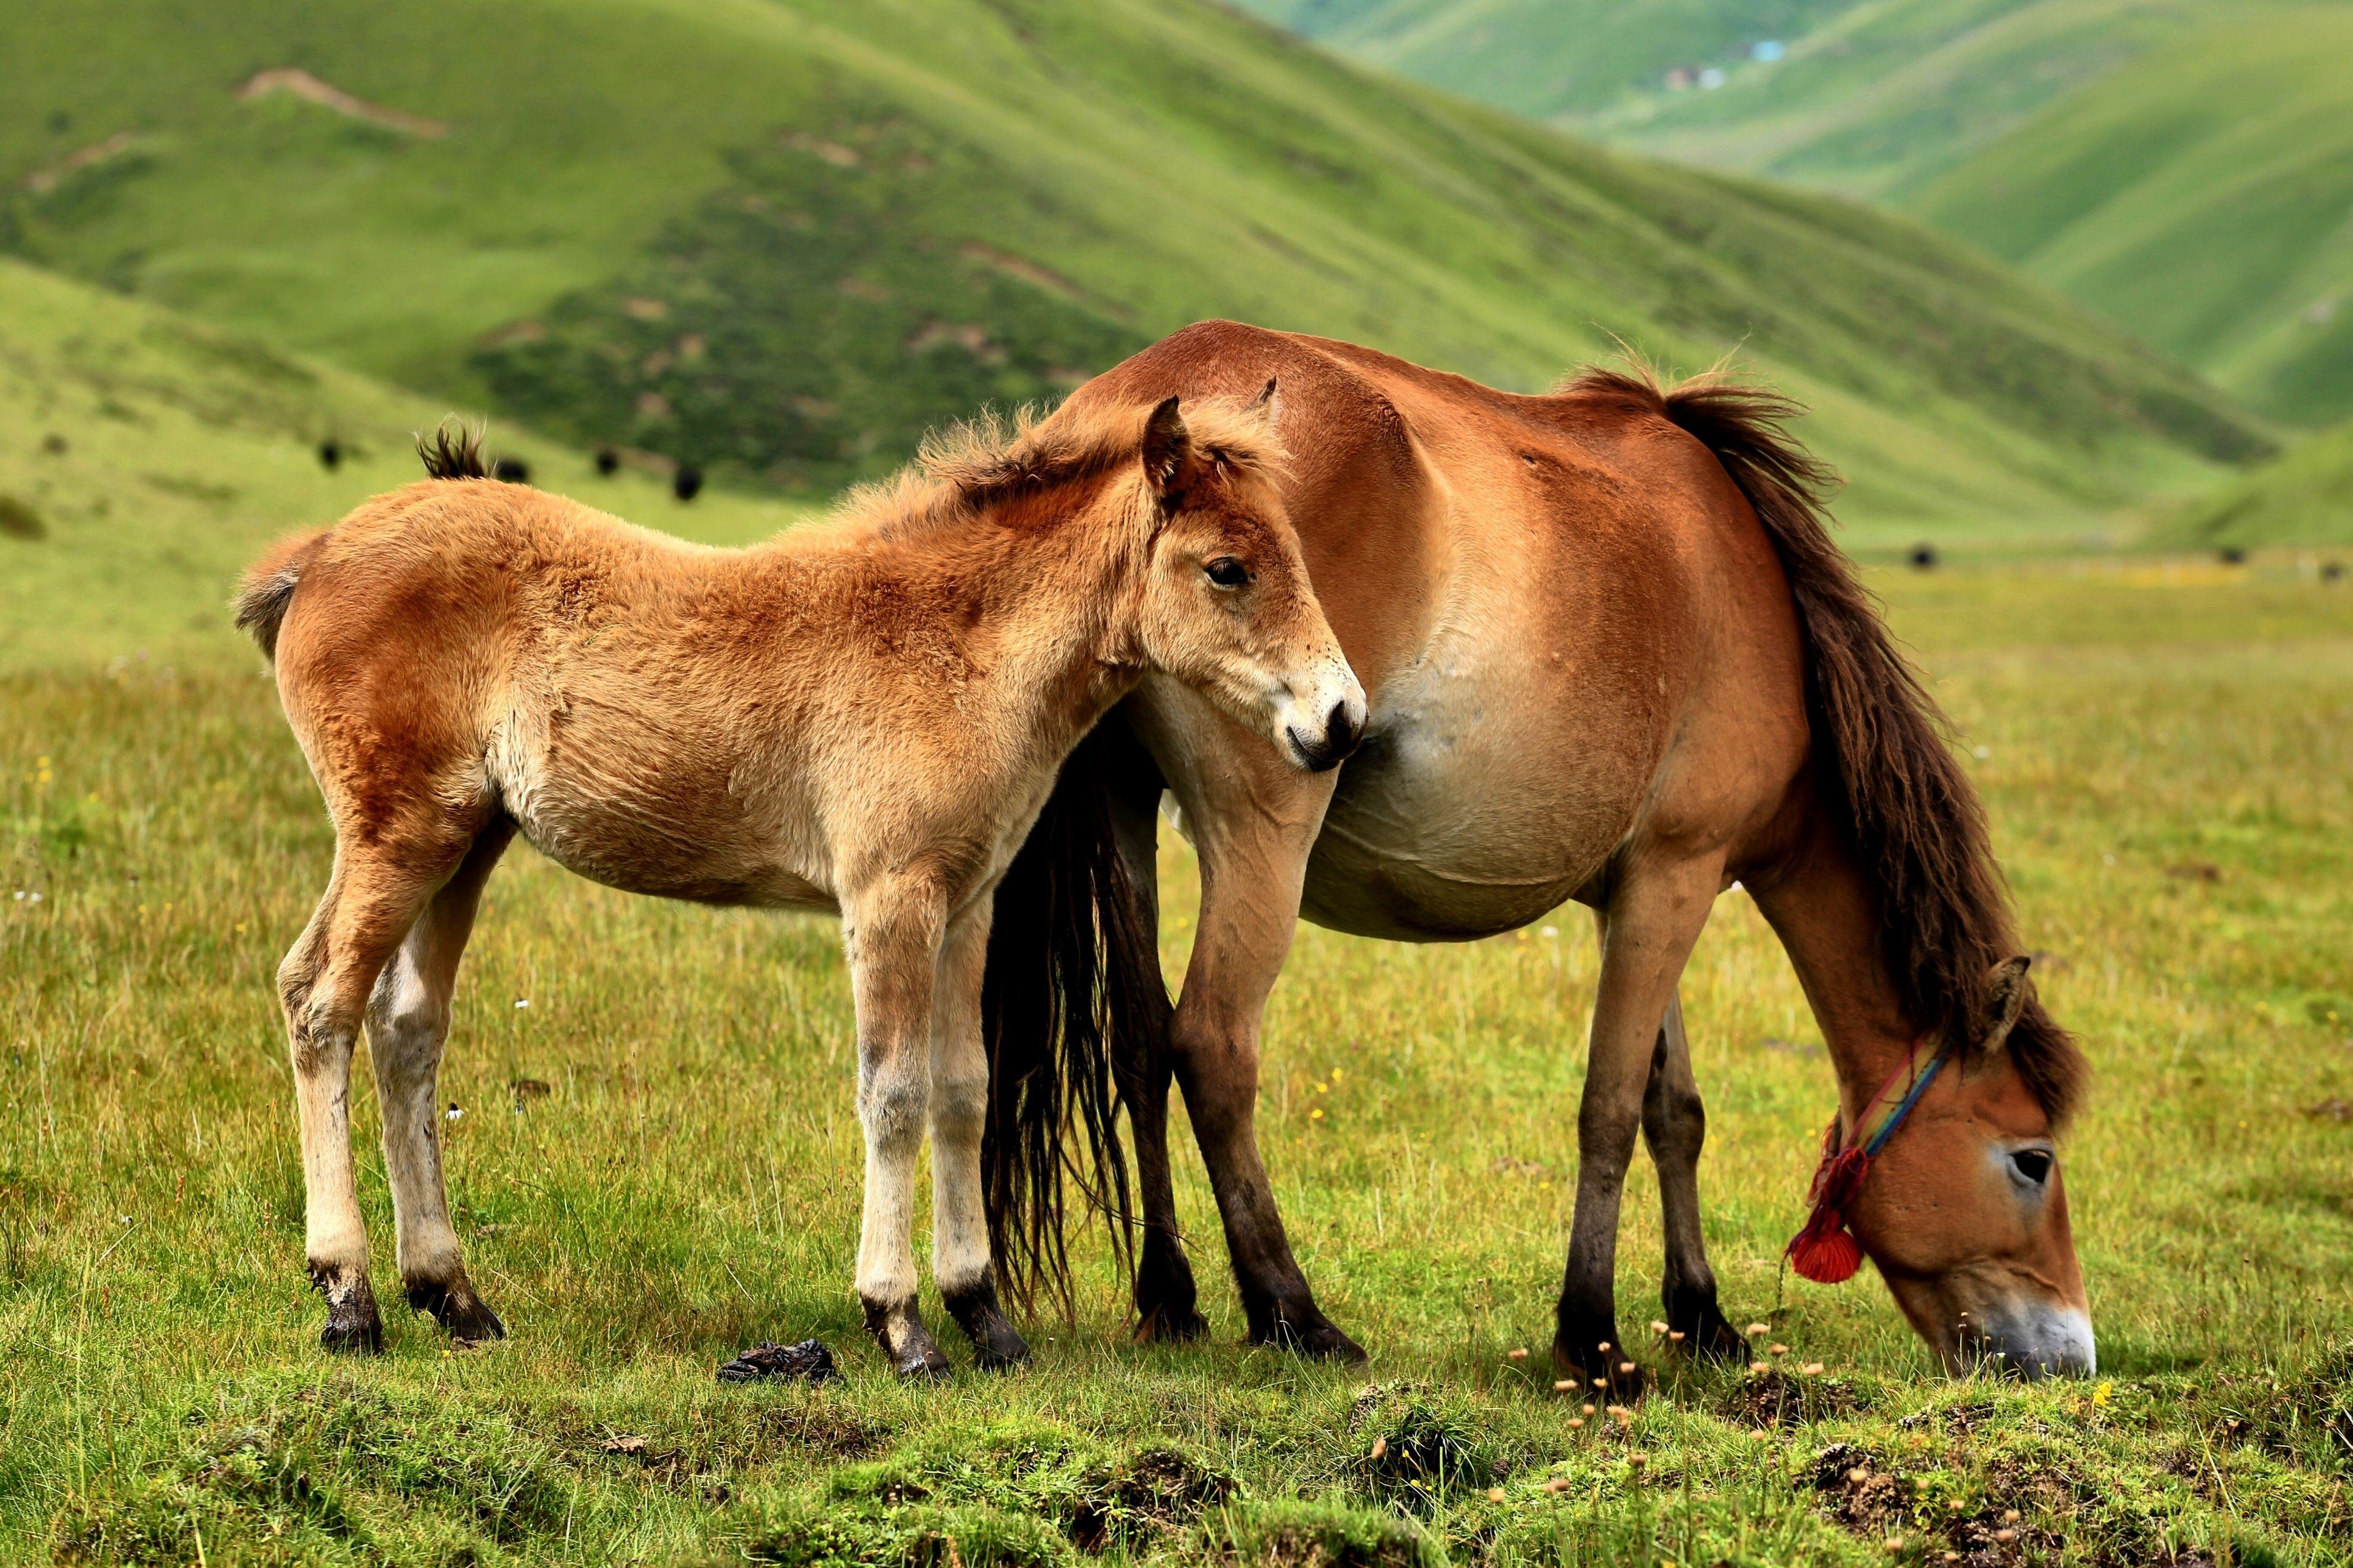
{"points": [[964, 469], [1918, 825]]}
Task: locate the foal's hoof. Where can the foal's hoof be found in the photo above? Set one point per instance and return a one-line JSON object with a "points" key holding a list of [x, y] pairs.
{"points": [[1600, 1371], [996, 1345], [355, 1327], [455, 1305], [899, 1329]]}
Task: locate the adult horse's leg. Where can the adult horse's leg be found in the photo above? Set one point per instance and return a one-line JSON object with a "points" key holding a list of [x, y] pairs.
{"points": [[407, 1024], [893, 938], [1649, 920], [1253, 835], [323, 986], [960, 1256], [1166, 1300], [1674, 1124]]}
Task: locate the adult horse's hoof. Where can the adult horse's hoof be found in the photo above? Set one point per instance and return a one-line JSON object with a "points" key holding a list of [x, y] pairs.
{"points": [[996, 1345], [454, 1305], [1707, 1334], [1165, 1300], [899, 1329], [1307, 1331], [1600, 1369], [1166, 1325], [355, 1327]]}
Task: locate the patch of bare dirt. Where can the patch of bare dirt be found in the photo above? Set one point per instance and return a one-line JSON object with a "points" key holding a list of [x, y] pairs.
{"points": [[301, 84], [1773, 1398], [1144, 1497]]}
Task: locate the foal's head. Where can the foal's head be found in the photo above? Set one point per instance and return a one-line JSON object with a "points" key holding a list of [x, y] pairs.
{"points": [[1226, 604], [1964, 1210]]}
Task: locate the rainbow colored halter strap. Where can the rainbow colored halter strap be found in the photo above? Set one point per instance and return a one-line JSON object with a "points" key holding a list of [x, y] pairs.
{"points": [[1826, 1251]]}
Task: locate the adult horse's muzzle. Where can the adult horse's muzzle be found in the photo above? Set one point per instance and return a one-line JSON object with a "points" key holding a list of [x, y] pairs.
{"points": [[2030, 1340]]}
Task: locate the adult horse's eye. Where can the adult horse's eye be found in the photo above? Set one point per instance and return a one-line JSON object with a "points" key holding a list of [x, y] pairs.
{"points": [[2032, 1165], [1226, 572]]}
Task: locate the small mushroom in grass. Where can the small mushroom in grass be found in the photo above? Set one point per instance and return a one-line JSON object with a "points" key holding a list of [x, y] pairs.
{"points": [[1380, 1446], [1756, 1330], [1518, 1354], [1562, 1384], [1676, 1336]]}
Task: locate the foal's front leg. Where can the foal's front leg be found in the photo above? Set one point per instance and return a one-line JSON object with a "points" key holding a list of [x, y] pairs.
{"points": [[893, 942], [960, 1256]]}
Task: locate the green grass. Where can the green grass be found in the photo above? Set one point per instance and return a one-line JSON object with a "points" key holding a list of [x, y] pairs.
{"points": [[786, 238], [2181, 169], [687, 1183]]}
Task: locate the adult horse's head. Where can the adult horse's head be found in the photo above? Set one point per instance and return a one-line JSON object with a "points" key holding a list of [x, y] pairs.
{"points": [[1945, 1173], [1227, 607]]}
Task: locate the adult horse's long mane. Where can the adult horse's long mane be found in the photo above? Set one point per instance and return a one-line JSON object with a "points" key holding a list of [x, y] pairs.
{"points": [[1917, 826]]}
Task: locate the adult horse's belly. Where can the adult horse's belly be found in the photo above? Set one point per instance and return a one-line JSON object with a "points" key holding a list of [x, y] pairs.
{"points": [[1494, 785]]}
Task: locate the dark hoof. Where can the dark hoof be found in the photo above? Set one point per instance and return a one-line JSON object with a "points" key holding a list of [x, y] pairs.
{"points": [[1168, 1325], [995, 1346], [454, 1305], [1601, 1370], [1706, 1334], [899, 1329], [1166, 1298], [1303, 1330], [355, 1327]]}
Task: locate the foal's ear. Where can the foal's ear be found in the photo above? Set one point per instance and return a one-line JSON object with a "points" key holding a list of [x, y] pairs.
{"points": [[2007, 990], [1167, 445]]}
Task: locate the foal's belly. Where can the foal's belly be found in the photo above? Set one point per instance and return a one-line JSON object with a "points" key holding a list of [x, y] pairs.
{"points": [[1482, 799]]}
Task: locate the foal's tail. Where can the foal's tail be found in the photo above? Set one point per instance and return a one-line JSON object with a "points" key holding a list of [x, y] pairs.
{"points": [[453, 450], [1063, 1009], [268, 587], [1918, 825]]}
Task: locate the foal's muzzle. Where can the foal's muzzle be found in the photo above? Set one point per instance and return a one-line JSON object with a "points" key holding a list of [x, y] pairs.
{"points": [[1342, 731]]}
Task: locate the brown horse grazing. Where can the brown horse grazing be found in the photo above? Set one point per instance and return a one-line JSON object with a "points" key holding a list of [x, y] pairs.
{"points": [[864, 719], [1613, 658]]}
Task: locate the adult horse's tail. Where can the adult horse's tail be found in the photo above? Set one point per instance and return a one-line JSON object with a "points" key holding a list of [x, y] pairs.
{"points": [[1064, 1006], [1916, 822]]}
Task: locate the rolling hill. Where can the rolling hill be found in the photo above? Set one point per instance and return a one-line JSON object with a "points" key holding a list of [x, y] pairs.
{"points": [[783, 238], [2183, 166], [2302, 498], [145, 460]]}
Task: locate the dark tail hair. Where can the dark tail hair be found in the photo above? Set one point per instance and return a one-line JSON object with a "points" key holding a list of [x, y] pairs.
{"points": [[268, 588], [1916, 822], [1064, 1006]]}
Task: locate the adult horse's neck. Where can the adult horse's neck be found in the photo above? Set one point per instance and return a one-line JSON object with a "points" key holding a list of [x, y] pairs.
{"points": [[1828, 919]]}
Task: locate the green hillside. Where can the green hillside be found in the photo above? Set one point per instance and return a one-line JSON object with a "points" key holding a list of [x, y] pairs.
{"points": [[2304, 497], [2183, 166], [785, 238], [145, 462]]}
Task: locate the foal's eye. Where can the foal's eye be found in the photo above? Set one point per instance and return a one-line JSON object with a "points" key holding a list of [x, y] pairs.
{"points": [[1226, 572], [2032, 1165]]}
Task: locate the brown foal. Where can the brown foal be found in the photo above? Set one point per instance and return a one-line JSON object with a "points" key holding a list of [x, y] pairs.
{"points": [[864, 718], [1613, 658]]}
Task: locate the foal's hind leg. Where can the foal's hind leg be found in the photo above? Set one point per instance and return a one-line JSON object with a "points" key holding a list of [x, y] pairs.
{"points": [[1674, 1124], [323, 986], [408, 1023]]}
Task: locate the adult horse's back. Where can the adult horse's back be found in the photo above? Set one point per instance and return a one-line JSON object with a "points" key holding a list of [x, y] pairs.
{"points": [[1613, 658]]}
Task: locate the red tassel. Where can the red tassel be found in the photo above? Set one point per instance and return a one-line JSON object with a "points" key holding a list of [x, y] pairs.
{"points": [[1825, 1251], [1826, 1254]]}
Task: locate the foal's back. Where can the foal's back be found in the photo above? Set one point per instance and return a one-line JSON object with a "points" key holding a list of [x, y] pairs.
{"points": [[464, 649]]}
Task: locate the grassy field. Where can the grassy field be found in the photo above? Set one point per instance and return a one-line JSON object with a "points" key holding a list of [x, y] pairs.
{"points": [[782, 238], [2180, 168], [654, 1164]]}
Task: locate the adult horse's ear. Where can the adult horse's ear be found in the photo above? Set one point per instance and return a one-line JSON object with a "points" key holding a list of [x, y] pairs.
{"points": [[1167, 445], [2007, 990], [1268, 404]]}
